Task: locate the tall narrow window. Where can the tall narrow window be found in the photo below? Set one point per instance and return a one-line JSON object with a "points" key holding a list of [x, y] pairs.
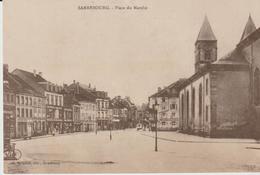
{"points": [[22, 100], [18, 112], [182, 109], [207, 86], [207, 54], [193, 102], [18, 99], [188, 106], [22, 112], [200, 99], [257, 87]]}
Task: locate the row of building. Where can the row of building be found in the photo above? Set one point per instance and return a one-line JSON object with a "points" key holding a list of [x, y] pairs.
{"points": [[222, 97], [34, 106]]}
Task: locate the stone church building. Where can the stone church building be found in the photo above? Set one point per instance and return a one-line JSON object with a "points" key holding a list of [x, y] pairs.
{"points": [[222, 97]]}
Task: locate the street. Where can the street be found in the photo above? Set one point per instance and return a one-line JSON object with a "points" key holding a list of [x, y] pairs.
{"points": [[132, 151]]}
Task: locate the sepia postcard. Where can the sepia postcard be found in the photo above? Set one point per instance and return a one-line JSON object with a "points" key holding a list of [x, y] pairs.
{"points": [[131, 86]]}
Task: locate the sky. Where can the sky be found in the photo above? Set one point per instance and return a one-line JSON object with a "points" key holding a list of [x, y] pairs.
{"points": [[124, 52]]}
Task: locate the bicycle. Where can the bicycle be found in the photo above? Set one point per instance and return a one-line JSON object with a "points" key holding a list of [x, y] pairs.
{"points": [[11, 153]]}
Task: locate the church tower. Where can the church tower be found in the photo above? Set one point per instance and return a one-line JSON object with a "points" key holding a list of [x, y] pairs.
{"points": [[205, 46], [249, 28]]}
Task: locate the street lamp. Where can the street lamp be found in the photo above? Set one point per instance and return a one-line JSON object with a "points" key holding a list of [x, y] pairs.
{"points": [[155, 106]]}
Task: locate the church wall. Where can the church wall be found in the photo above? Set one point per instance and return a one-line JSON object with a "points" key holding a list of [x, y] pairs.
{"points": [[253, 51], [230, 100], [198, 122]]}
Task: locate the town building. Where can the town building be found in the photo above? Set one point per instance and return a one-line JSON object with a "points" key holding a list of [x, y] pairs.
{"points": [[221, 99], [71, 113], [54, 98], [102, 104], [30, 108], [9, 116], [88, 108], [167, 111]]}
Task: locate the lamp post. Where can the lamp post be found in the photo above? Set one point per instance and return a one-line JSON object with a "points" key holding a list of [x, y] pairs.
{"points": [[155, 106]]}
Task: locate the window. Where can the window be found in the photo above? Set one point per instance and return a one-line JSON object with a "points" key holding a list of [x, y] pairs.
{"points": [[48, 98], [188, 106], [60, 100], [173, 106], [26, 100], [30, 101], [207, 54], [182, 105], [31, 113], [193, 103], [207, 115], [163, 99], [22, 113], [17, 100], [163, 123], [207, 86], [52, 100], [56, 100], [18, 112], [257, 87], [22, 100], [200, 99], [26, 112]]}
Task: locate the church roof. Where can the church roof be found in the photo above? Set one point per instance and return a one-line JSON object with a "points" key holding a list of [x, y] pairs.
{"points": [[249, 28], [206, 33], [235, 57]]}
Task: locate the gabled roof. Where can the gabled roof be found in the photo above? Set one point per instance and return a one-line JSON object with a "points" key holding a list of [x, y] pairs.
{"points": [[36, 77], [249, 28], [81, 94], [166, 92], [20, 86], [30, 80], [206, 33]]}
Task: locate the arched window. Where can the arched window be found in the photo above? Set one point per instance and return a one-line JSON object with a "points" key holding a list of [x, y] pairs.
{"points": [[257, 87], [182, 108], [207, 54], [207, 86], [200, 100], [188, 106], [193, 103]]}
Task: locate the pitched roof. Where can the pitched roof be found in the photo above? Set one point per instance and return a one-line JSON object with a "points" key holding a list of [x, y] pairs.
{"points": [[166, 91], [235, 57], [249, 28], [206, 33], [36, 77], [30, 79], [19, 85], [82, 94]]}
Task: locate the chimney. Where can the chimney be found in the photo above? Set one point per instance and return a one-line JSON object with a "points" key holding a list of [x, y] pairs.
{"points": [[34, 72], [89, 85], [74, 82], [40, 74], [159, 89]]}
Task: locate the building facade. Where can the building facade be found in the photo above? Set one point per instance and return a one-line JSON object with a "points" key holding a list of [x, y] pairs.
{"points": [[219, 98], [167, 111]]}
